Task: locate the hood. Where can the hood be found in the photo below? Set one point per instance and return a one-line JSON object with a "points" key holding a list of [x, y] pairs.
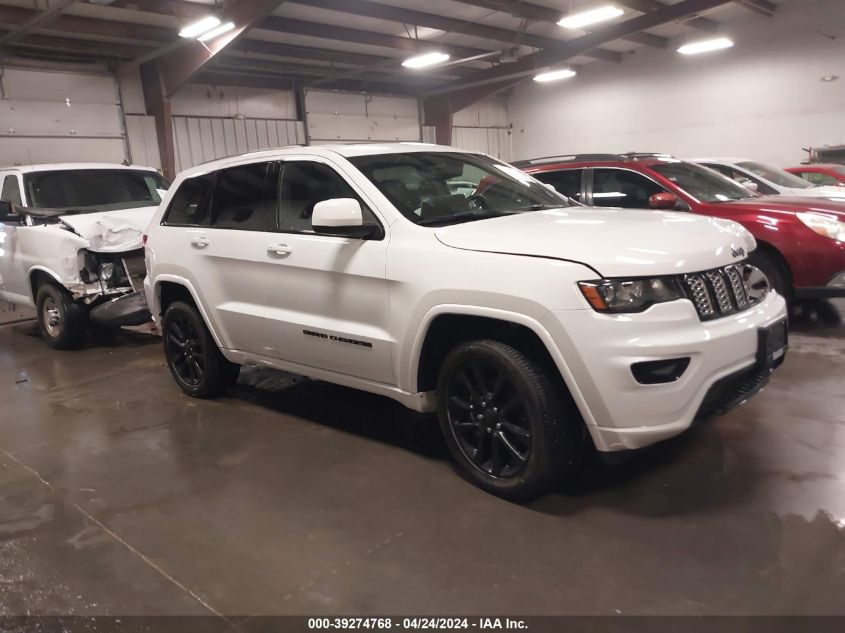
{"points": [[112, 231], [614, 242], [836, 193], [785, 204]]}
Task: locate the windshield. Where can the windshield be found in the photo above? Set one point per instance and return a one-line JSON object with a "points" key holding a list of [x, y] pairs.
{"points": [[442, 188], [777, 176], [90, 190], [701, 183]]}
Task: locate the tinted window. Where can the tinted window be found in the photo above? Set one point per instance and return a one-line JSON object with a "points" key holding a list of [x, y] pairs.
{"points": [[11, 191], [775, 175], [245, 198], [620, 188], [304, 184], [190, 202], [702, 183], [819, 179], [567, 182], [87, 190], [440, 188]]}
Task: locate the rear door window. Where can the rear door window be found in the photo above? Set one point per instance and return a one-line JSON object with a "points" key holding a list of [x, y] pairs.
{"points": [[245, 198], [189, 206], [565, 181]]}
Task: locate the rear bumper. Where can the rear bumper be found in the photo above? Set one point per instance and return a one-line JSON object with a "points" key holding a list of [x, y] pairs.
{"points": [[129, 309]]}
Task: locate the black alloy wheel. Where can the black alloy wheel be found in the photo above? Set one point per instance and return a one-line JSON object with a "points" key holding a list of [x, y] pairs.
{"points": [[489, 418], [506, 421], [195, 361]]}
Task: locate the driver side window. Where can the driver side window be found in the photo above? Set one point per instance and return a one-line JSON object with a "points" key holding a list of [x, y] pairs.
{"points": [[620, 188], [304, 184], [11, 191]]}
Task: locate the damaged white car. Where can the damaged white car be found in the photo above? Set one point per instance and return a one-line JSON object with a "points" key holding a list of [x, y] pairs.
{"points": [[71, 244]]}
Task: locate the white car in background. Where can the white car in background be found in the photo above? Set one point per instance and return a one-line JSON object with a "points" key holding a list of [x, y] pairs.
{"points": [[768, 180], [71, 244]]}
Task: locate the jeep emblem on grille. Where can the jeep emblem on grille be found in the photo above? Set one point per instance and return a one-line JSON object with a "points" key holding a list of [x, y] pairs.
{"points": [[738, 252]]}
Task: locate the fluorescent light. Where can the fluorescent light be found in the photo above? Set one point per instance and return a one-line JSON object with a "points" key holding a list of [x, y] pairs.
{"points": [[705, 46], [585, 18], [210, 35], [425, 60], [554, 75], [199, 27]]}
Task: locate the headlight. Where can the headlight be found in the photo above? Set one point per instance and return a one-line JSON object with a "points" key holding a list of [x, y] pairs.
{"points": [[822, 224], [630, 295], [106, 271]]}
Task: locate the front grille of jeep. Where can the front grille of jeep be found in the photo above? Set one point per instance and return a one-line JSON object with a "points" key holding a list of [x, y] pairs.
{"points": [[722, 291]]}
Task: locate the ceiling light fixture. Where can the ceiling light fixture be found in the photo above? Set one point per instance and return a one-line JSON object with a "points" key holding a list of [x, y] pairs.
{"points": [[210, 35], [585, 18], [554, 75], [425, 60], [829, 78], [705, 46], [200, 27]]}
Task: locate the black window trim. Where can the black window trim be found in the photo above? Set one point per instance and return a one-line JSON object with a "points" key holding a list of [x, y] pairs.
{"points": [[583, 186]]}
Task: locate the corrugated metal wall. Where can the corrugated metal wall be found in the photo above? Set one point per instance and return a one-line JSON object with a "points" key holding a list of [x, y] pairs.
{"points": [[484, 127], [201, 139]]}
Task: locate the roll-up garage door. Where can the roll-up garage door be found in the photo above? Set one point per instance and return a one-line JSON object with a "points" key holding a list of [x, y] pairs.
{"points": [[56, 117], [338, 116]]}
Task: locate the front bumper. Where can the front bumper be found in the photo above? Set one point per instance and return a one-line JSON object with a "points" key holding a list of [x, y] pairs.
{"points": [[129, 309], [599, 350]]}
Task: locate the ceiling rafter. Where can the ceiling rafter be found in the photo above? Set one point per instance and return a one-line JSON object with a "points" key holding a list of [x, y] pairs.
{"points": [[530, 64], [36, 21], [695, 21], [540, 13], [380, 11]]}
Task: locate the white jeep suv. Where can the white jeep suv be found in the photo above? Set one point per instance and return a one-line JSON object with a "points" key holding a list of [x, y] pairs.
{"points": [[70, 244], [529, 324]]}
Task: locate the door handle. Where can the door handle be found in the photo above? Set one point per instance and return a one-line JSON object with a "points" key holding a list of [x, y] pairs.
{"points": [[281, 250], [199, 242]]}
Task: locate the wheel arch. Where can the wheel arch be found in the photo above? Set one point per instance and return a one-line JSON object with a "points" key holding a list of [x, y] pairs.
{"points": [[446, 326], [772, 251], [169, 288], [40, 274]]}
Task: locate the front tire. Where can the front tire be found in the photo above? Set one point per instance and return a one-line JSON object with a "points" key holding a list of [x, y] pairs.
{"points": [[194, 360], [778, 277], [504, 422], [62, 322]]}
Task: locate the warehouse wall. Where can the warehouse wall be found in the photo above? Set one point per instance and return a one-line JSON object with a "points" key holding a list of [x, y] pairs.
{"points": [[763, 99], [58, 115], [484, 127], [337, 116]]}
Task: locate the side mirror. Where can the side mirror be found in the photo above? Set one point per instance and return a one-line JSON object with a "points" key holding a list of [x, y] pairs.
{"points": [[663, 200], [341, 217], [8, 215]]}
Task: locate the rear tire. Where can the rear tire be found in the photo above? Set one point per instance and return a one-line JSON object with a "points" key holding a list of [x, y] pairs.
{"points": [[504, 421], [194, 360], [773, 269], [62, 322]]}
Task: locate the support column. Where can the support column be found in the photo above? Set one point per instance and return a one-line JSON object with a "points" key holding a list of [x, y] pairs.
{"points": [[158, 106]]}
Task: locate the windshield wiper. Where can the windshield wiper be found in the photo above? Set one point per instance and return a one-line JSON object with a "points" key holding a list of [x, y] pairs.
{"points": [[466, 216]]}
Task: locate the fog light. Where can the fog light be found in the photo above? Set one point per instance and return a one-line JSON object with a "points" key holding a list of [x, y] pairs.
{"points": [[106, 271], [656, 372]]}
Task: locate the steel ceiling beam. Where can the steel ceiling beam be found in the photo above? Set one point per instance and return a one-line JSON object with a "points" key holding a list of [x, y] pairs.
{"points": [[763, 7], [650, 6], [552, 57], [380, 11], [540, 13], [41, 18]]}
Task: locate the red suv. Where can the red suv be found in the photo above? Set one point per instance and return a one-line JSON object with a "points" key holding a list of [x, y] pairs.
{"points": [[800, 241], [821, 174]]}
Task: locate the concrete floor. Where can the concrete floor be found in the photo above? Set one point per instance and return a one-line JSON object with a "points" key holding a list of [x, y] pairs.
{"points": [[119, 495]]}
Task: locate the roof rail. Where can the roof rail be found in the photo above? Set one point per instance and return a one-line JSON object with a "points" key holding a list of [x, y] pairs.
{"points": [[250, 153], [567, 158]]}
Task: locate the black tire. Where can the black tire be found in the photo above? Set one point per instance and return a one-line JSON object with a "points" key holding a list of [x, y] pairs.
{"points": [[520, 466], [773, 269], [194, 360], [63, 323]]}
